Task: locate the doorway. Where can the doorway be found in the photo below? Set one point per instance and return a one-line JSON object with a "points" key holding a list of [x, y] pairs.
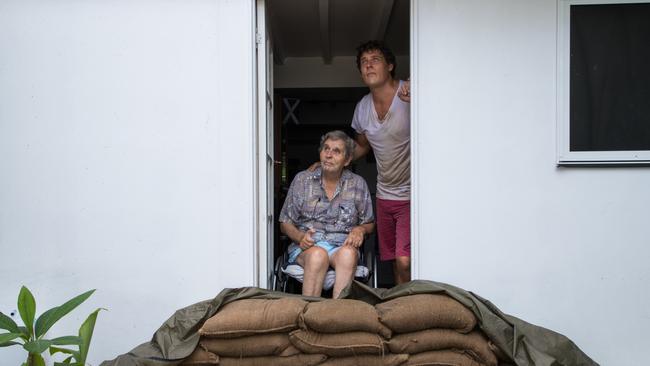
{"points": [[316, 86]]}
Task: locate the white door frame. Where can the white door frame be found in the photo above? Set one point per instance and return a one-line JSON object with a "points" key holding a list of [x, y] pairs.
{"points": [[264, 145], [264, 218], [415, 159]]}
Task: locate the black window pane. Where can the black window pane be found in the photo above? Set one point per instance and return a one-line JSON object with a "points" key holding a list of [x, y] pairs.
{"points": [[610, 77]]}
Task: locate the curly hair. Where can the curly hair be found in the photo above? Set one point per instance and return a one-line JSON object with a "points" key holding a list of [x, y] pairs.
{"points": [[377, 46]]}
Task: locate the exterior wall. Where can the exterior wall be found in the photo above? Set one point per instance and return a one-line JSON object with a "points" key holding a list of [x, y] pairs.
{"points": [[565, 248], [115, 152], [125, 159]]}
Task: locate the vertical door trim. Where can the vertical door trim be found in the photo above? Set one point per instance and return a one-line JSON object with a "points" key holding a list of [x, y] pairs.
{"points": [[260, 226], [415, 158]]}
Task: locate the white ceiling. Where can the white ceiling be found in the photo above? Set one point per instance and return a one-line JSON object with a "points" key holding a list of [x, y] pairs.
{"points": [[331, 28]]}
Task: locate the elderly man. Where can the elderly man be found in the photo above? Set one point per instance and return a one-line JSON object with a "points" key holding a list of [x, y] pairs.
{"points": [[327, 213]]}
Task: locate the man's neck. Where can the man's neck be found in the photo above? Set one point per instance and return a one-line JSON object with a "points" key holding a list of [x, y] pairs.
{"points": [[330, 182], [385, 92], [331, 178]]}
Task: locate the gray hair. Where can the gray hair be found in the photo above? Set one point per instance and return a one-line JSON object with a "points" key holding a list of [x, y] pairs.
{"points": [[348, 142]]}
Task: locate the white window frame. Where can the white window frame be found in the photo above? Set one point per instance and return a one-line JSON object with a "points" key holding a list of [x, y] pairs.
{"points": [[564, 155]]}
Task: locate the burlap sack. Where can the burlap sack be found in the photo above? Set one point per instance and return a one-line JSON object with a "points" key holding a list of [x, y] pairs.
{"points": [[473, 343], [440, 358], [250, 346], [501, 356], [338, 345], [290, 351], [254, 316], [418, 312], [301, 359], [201, 357], [367, 360], [340, 316]]}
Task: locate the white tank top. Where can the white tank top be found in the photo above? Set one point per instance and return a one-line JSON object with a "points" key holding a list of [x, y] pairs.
{"points": [[390, 140]]}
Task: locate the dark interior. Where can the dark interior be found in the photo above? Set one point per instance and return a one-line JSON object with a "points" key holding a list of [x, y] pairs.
{"points": [[610, 77], [324, 30]]}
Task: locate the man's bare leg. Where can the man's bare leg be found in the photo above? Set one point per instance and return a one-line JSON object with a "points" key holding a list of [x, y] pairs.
{"points": [[315, 262], [402, 269], [344, 262]]}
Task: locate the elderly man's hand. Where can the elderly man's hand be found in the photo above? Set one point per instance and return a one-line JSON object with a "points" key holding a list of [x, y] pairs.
{"points": [[307, 242], [355, 237]]}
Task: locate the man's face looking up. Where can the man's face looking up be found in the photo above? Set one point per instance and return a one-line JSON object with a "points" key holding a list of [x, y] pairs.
{"points": [[332, 156], [374, 69]]}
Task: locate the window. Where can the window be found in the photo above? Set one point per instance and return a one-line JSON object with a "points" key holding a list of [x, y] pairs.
{"points": [[604, 82]]}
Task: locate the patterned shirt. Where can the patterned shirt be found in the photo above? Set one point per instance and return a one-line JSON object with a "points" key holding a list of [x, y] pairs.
{"points": [[307, 206]]}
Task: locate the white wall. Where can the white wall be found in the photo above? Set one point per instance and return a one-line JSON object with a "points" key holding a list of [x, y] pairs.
{"points": [[116, 163], [125, 159], [565, 248]]}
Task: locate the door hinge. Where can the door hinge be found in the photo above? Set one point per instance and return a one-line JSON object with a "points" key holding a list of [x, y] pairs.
{"points": [[258, 38]]}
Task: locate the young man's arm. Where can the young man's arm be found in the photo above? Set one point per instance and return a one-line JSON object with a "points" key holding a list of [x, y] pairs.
{"points": [[362, 146]]}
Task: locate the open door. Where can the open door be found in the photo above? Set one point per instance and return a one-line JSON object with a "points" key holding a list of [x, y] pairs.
{"points": [[306, 64], [265, 151]]}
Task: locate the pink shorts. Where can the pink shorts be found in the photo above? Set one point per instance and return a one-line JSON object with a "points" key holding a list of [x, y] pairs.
{"points": [[394, 228]]}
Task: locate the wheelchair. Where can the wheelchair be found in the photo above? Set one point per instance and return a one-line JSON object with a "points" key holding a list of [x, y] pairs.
{"points": [[288, 277]]}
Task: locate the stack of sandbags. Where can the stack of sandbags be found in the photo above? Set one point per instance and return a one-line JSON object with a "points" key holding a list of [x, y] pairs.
{"points": [[415, 330], [254, 332], [347, 331], [435, 330]]}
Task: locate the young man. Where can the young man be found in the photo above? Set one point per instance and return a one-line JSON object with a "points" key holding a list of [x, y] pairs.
{"points": [[326, 214], [382, 121]]}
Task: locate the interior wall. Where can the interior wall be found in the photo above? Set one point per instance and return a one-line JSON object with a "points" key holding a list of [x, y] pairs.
{"points": [[116, 159], [311, 72], [564, 248]]}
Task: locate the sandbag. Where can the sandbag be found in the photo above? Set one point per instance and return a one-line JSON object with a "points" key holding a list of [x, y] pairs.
{"points": [[301, 359], [342, 315], [367, 360], [337, 345], [201, 357], [418, 312], [250, 346], [254, 316], [290, 351], [473, 343], [441, 358], [501, 355]]}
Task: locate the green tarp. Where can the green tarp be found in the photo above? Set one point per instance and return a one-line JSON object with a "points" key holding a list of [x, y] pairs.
{"points": [[524, 343]]}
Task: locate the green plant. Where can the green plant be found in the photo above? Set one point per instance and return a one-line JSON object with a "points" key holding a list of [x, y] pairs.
{"points": [[32, 335]]}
